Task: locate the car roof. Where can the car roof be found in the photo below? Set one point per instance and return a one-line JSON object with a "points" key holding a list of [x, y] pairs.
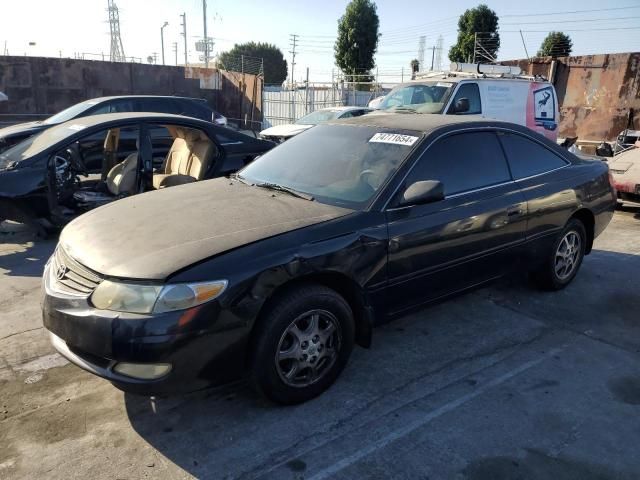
{"points": [[341, 109], [93, 120], [419, 122], [117, 97]]}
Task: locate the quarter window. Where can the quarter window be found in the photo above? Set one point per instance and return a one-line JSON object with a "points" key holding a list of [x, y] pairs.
{"points": [[528, 158], [463, 162], [471, 92]]}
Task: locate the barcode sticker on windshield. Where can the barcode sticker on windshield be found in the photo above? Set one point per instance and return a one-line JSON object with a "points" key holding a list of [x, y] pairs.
{"points": [[394, 138]]}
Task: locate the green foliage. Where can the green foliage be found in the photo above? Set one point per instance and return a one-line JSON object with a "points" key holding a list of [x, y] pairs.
{"points": [[275, 66], [357, 38], [415, 65], [483, 21], [556, 44]]}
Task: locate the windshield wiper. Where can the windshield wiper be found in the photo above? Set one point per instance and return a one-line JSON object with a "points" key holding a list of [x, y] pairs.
{"points": [[282, 188], [403, 109]]}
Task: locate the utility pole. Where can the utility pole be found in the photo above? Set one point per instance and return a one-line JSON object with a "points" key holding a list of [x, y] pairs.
{"points": [[162, 39], [433, 56], [184, 34], [293, 42], [525, 46], [175, 50], [206, 39]]}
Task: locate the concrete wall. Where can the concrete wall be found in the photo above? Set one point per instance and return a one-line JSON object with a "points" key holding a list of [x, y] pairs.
{"points": [[596, 92], [37, 85]]}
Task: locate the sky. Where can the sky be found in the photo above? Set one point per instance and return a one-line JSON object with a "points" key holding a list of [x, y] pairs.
{"points": [[72, 27]]}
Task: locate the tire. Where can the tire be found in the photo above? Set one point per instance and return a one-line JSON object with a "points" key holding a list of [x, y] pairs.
{"points": [[291, 365], [571, 243]]}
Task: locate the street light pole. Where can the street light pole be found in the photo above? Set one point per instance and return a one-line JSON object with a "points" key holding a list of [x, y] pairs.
{"points": [[162, 39]]}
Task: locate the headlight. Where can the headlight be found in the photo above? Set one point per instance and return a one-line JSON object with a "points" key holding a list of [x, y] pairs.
{"points": [[135, 298]]}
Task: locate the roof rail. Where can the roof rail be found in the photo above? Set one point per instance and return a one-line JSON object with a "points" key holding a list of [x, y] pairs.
{"points": [[479, 70]]}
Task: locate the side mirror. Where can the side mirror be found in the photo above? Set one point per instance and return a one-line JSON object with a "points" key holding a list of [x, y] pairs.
{"points": [[426, 191], [461, 105]]}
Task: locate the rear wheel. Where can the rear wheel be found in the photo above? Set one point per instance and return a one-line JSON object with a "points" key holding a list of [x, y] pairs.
{"points": [[302, 344], [564, 260]]}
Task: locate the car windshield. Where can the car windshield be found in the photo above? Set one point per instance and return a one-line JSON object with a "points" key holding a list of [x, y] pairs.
{"points": [[69, 113], [319, 116], [343, 165], [423, 97]]}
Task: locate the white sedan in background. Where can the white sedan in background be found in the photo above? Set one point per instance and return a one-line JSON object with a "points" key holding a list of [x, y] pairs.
{"points": [[280, 133]]}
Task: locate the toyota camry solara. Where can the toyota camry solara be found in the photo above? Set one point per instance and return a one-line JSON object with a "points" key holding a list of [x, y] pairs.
{"points": [[278, 271]]}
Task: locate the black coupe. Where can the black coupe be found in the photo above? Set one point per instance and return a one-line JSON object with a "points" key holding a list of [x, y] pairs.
{"points": [[279, 271]]}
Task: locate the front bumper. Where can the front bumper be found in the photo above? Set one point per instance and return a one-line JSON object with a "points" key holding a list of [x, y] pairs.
{"points": [[204, 346]]}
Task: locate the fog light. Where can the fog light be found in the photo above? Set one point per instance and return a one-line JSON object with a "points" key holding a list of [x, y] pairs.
{"points": [[143, 371]]}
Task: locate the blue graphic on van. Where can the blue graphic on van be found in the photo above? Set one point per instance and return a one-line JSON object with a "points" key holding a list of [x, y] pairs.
{"points": [[545, 108]]}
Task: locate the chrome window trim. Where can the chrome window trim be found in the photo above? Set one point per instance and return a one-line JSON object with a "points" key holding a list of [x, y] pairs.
{"points": [[494, 129]]}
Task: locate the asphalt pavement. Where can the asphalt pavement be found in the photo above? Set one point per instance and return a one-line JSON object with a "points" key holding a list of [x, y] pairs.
{"points": [[506, 382]]}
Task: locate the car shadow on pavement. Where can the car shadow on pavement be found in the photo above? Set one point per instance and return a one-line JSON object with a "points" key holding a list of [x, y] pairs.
{"points": [[232, 432], [22, 253]]}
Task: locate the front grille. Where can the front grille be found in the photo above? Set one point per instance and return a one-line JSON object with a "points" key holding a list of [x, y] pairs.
{"points": [[70, 277]]}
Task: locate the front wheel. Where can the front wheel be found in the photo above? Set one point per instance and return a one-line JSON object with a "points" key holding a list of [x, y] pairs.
{"points": [[563, 262], [302, 344]]}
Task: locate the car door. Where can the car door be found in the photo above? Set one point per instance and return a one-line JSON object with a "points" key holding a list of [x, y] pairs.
{"points": [[472, 235], [471, 92], [549, 194]]}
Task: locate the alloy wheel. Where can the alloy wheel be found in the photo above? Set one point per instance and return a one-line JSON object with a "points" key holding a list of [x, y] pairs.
{"points": [[568, 255], [308, 348]]}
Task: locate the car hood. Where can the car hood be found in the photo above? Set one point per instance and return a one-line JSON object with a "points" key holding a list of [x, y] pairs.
{"points": [[22, 128], [288, 130], [152, 235]]}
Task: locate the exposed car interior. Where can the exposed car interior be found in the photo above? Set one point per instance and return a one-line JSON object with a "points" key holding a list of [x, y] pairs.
{"points": [[105, 166], [187, 161]]}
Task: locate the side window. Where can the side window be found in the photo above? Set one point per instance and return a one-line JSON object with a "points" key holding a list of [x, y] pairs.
{"points": [[348, 114], [358, 113], [100, 109], [471, 92], [123, 105], [160, 105], [463, 162], [528, 158]]}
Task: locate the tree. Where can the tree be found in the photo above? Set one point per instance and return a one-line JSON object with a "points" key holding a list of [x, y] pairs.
{"points": [[484, 22], [275, 66], [357, 40], [556, 44], [415, 67]]}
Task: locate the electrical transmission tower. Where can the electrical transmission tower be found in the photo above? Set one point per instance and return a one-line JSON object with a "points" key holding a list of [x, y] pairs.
{"points": [[117, 51], [438, 60], [421, 46]]}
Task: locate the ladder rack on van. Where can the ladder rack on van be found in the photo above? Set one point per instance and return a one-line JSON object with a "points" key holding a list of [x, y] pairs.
{"points": [[479, 70]]}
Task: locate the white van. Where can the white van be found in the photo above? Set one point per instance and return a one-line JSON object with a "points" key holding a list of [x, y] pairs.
{"points": [[493, 91]]}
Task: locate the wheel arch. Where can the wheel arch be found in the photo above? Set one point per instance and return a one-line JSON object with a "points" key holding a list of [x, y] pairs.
{"points": [[342, 284], [588, 220]]}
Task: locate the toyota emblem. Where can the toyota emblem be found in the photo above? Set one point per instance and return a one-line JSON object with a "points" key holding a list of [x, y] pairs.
{"points": [[61, 271]]}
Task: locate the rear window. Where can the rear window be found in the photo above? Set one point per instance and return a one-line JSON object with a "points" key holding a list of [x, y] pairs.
{"points": [[528, 158]]}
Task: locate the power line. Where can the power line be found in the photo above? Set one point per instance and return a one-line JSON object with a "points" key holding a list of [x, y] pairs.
{"points": [[570, 12], [572, 21]]}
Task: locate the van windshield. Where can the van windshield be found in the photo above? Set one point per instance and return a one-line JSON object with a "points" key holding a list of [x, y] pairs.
{"points": [[422, 97]]}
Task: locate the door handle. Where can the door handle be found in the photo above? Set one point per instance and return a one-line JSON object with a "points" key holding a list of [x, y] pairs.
{"points": [[514, 212]]}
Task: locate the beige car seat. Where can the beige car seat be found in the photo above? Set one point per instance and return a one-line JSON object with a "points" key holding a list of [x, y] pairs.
{"points": [[188, 159], [121, 179]]}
